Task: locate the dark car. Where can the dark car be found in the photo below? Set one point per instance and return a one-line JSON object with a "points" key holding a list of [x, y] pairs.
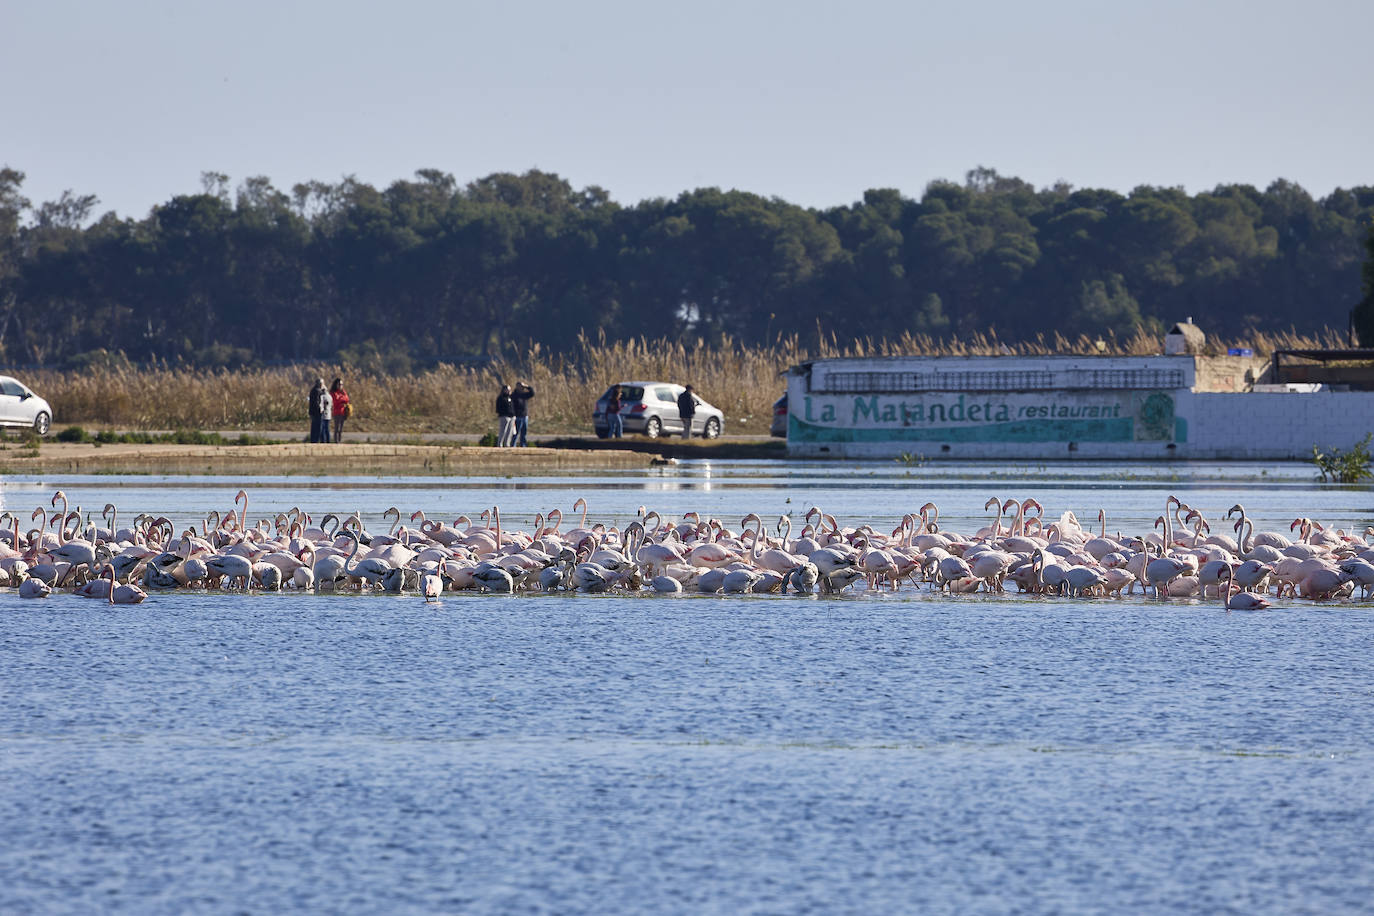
{"points": [[651, 408], [779, 427]]}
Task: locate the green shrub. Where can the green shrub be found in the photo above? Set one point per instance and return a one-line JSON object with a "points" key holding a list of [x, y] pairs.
{"points": [[74, 434], [1350, 466], [193, 437], [488, 440]]}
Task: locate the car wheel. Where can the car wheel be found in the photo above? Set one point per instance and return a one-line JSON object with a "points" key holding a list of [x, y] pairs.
{"points": [[42, 423], [602, 432], [653, 427], [712, 429]]}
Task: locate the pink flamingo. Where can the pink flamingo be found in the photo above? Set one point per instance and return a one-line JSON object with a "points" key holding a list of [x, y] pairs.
{"points": [[1234, 599]]}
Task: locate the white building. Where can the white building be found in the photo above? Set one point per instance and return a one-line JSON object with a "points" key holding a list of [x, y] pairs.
{"points": [[1055, 407]]}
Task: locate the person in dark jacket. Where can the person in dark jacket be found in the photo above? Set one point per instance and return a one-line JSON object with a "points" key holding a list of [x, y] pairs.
{"points": [[687, 408], [520, 403], [615, 423], [318, 398], [505, 417]]}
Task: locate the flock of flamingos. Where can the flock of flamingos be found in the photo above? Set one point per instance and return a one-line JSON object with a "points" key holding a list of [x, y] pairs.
{"points": [[1182, 558]]}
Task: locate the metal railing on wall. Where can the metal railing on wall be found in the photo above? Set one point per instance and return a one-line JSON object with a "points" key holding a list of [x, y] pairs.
{"points": [[997, 380]]}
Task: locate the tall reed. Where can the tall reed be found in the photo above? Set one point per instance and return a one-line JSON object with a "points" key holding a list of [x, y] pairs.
{"points": [[742, 381]]}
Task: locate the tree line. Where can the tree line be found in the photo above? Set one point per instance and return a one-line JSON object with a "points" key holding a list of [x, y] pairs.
{"points": [[426, 271]]}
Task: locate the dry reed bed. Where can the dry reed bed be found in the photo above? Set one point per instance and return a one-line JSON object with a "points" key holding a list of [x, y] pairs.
{"points": [[742, 381]]}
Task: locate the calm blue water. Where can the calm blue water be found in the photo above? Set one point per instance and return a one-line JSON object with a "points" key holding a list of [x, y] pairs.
{"points": [[216, 753], [878, 492]]}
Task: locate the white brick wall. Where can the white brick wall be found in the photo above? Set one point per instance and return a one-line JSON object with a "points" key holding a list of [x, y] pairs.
{"points": [[1274, 426]]}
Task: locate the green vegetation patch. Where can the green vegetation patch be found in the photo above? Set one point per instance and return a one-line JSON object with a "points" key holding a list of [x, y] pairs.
{"points": [[175, 437], [1349, 466]]}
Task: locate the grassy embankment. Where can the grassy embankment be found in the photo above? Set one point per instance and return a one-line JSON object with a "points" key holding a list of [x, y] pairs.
{"points": [[743, 382]]}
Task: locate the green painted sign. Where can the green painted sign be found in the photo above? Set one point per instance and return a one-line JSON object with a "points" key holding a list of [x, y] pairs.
{"points": [[1108, 416]]}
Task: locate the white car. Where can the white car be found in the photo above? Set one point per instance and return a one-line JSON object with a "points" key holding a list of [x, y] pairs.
{"points": [[651, 408], [21, 407]]}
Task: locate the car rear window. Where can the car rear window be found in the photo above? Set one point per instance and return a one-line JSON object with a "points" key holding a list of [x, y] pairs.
{"points": [[627, 392]]}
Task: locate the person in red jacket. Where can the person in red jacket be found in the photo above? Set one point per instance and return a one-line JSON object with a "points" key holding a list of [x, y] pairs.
{"points": [[343, 408]]}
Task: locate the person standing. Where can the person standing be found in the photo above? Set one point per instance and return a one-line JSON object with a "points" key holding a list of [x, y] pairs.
{"points": [[505, 418], [316, 393], [326, 408], [520, 403], [687, 408], [342, 408], [615, 424]]}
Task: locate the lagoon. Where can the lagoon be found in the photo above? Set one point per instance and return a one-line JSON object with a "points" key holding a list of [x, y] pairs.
{"points": [[906, 752]]}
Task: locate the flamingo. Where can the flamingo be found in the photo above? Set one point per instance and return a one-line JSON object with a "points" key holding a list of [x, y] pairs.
{"points": [[666, 585], [581, 531], [124, 594], [303, 579], [770, 558], [432, 584], [950, 569], [77, 553], [994, 532], [1360, 571], [1233, 598], [1049, 576], [243, 510], [711, 554], [1080, 579], [1323, 583], [400, 578], [840, 580], [329, 569], [369, 569], [558, 574], [803, 578], [740, 580], [267, 576], [1160, 571], [1210, 574], [991, 566], [65, 507], [231, 566], [493, 578], [34, 588], [1265, 538]]}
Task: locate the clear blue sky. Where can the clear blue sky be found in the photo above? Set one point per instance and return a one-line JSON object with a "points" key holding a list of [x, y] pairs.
{"points": [[809, 100]]}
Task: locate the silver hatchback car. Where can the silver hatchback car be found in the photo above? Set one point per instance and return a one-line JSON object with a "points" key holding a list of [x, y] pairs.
{"points": [[21, 407], [651, 408]]}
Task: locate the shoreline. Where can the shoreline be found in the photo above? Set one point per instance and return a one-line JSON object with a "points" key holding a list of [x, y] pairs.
{"points": [[287, 459]]}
